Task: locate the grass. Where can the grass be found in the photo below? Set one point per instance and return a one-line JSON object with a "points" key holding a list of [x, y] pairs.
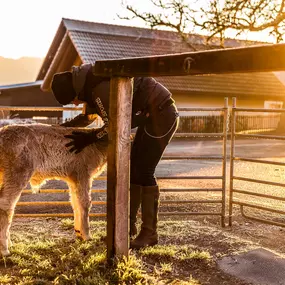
{"points": [[45, 251], [166, 267], [63, 260], [5, 279]]}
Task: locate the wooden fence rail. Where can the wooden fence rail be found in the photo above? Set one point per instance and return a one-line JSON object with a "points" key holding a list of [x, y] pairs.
{"points": [[246, 59]]}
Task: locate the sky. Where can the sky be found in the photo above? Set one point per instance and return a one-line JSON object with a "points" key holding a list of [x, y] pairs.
{"points": [[27, 27]]}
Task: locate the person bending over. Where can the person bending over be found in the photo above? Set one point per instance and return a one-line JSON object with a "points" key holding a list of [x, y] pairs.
{"points": [[156, 118]]}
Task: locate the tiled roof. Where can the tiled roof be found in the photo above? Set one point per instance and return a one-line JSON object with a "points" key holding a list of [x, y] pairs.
{"points": [[138, 33], [97, 41], [262, 84], [93, 47]]}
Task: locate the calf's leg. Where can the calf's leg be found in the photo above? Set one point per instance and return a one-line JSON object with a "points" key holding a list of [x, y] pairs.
{"points": [[74, 204], [4, 232], [14, 180], [81, 204]]}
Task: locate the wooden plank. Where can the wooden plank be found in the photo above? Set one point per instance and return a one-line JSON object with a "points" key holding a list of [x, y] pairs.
{"points": [[245, 59], [118, 167]]}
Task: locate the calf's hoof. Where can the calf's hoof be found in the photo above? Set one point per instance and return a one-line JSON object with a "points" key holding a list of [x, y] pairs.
{"points": [[86, 236], [78, 234], [82, 236]]}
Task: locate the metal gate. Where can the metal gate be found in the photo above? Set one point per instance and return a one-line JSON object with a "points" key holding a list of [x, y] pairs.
{"points": [[220, 192], [219, 201], [265, 203]]}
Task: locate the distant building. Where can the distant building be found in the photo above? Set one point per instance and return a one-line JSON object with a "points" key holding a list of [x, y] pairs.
{"points": [[78, 42], [28, 95]]}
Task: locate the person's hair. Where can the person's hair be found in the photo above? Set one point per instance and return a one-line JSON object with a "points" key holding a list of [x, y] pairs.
{"points": [[62, 87]]}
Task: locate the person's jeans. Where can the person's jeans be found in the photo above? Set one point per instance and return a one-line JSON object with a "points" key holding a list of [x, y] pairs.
{"points": [[151, 139]]}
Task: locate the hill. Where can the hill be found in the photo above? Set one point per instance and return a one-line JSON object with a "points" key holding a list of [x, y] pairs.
{"points": [[24, 69]]}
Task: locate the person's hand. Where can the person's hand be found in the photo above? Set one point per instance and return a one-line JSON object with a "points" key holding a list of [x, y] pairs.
{"points": [[80, 140]]}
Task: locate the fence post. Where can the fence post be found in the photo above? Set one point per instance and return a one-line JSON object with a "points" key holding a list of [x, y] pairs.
{"points": [[224, 167], [232, 156], [119, 167]]}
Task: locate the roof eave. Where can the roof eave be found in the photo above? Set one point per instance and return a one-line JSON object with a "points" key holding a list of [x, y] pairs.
{"points": [[52, 51], [21, 85], [62, 61], [212, 93]]}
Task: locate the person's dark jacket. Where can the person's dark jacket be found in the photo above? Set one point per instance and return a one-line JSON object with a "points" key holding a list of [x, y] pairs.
{"points": [[148, 97]]}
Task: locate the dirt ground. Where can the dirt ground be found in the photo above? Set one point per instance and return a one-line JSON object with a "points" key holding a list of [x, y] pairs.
{"points": [[205, 232], [201, 234]]}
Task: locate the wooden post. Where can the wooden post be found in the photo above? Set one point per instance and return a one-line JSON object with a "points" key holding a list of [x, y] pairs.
{"points": [[118, 172]]}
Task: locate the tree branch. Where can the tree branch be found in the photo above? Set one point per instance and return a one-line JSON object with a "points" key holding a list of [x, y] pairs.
{"points": [[217, 18]]}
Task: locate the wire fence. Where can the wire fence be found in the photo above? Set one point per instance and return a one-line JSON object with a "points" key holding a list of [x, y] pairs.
{"points": [[214, 123]]}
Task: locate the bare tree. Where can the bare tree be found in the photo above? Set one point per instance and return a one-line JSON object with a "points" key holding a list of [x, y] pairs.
{"points": [[173, 14], [215, 17]]}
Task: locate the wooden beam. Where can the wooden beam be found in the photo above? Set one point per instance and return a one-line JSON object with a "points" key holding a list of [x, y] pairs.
{"points": [[118, 171], [245, 59]]}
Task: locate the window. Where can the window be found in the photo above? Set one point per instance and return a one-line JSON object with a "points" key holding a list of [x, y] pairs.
{"points": [[273, 104]]}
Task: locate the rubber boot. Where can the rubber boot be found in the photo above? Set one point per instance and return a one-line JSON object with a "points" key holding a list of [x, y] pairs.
{"points": [[135, 202], [148, 234]]}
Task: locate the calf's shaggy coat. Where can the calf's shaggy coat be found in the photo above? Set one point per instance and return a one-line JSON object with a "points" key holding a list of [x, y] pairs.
{"points": [[36, 153]]}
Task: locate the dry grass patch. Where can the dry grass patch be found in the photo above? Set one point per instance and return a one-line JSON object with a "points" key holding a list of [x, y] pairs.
{"points": [[45, 251]]}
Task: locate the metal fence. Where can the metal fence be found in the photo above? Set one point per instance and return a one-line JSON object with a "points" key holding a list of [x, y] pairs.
{"points": [[214, 123], [221, 133], [240, 123], [248, 195], [195, 124], [221, 191]]}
